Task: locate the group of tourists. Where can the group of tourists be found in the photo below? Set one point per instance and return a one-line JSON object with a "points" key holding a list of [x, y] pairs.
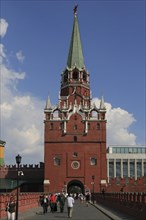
{"points": [[56, 201], [52, 201]]}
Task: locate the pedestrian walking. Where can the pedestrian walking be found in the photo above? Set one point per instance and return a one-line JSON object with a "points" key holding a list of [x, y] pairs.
{"points": [[10, 209], [53, 205], [88, 198], [103, 193], [62, 202], [45, 204], [70, 204], [40, 201], [81, 196]]}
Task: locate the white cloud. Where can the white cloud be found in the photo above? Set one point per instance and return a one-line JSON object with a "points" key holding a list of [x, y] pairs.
{"points": [[21, 117], [9, 80], [21, 123], [3, 27], [118, 125], [20, 56]]}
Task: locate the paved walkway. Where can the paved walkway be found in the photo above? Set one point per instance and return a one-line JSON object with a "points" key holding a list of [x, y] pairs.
{"points": [[80, 212]]}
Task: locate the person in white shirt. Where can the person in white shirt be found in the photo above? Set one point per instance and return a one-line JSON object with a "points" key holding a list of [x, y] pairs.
{"points": [[70, 204]]}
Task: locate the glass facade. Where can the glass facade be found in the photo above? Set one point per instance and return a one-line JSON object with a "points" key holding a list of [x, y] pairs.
{"points": [[128, 150], [118, 168], [124, 166], [132, 169], [111, 169], [144, 164], [139, 170]]}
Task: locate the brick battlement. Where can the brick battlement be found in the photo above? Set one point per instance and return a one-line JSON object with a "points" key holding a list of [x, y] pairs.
{"points": [[30, 170], [129, 185], [28, 166]]}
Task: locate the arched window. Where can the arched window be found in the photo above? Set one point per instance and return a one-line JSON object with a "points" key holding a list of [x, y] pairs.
{"points": [[84, 76], [56, 114], [103, 117], [93, 161], [65, 77], [94, 114], [75, 127], [75, 76], [75, 154], [57, 161], [61, 126]]}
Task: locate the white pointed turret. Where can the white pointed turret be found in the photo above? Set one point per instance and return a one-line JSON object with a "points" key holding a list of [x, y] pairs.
{"points": [[102, 105], [48, 103]]}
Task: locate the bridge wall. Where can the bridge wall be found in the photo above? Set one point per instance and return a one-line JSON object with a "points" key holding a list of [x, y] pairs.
{"points": [[26, 201], [133, 204]]}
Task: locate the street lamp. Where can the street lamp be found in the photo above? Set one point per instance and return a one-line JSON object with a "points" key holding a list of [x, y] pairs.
{"points": [[93, 177], [18, 161]]}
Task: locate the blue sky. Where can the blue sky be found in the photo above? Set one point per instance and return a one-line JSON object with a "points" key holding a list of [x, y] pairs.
{"points": [[36, 44]]}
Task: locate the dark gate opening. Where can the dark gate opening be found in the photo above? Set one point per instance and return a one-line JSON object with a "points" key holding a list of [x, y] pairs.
{"points": [[75, 186]]}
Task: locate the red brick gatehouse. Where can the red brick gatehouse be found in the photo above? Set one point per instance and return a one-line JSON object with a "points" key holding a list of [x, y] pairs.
{"points": [[75, 130]]}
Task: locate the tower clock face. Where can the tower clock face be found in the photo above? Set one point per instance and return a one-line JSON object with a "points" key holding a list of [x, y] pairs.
{"points": [[75, 164]]}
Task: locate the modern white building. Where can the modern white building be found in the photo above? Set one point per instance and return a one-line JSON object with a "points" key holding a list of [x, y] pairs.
{"points": [[126, 161]]}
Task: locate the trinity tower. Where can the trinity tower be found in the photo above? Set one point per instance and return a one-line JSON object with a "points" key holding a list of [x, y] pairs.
{"points": [[74, 129]]}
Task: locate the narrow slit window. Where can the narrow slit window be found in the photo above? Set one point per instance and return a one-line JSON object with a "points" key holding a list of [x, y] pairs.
{"points": [[75, 138], [51, 126]]}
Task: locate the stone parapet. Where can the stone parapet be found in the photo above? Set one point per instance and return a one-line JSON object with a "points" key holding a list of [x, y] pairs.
{"points": [[26, 202], [133, 204]]}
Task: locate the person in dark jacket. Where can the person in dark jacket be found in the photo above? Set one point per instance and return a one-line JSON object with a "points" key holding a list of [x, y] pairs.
{"points": [[62, 202], [45, 204], [88, 198], [10, 208]]}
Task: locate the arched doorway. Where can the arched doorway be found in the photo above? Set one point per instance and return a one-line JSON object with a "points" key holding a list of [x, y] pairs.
{"points": [[75, 186]]}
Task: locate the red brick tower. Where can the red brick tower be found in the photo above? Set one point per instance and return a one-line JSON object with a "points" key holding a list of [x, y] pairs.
{"points": [[75, 130]]}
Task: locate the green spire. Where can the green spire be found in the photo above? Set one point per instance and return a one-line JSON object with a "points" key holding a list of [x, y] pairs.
{"points": [[75, 56]]}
